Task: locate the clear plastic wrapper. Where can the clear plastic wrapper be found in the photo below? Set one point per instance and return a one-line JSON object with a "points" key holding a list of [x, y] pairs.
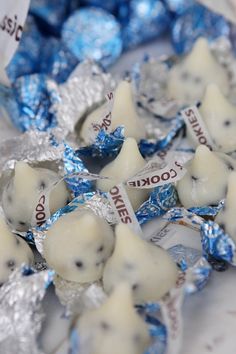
{"points": [[21, 312]]}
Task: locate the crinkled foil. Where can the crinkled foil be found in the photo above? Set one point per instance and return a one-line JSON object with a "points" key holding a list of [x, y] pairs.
{"points": [[195, 22], [179, 6], [184, 256], [52, 13], [217, 243], [93, 33], [57, 61], [20, 311], [77, 297], [73, 166], [207, 210], [161, 199], [26, 60], [142, 20], [184, 217], [106, 144], [32, 146], [38, 102], [150, 78], [85, 88]]}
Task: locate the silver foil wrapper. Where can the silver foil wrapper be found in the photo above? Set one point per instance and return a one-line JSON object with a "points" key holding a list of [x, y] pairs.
{"points": [[21, 314], [32, 146], [77, 297], [151, 78], [85, 88]]}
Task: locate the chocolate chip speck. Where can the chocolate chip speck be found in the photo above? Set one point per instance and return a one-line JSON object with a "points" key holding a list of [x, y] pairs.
{"points": [[42, 185], [105, 326], [100, 249], [227, 123], [194, 178], [11, 263], [22, 223], [135, 287], [230, 167], [79, 264]]}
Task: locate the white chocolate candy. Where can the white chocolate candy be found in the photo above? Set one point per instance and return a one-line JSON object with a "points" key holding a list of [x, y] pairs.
{"points": [[126, 165], [21, 195], [148, 269], [78, 245], [226, 216], [14, 252], [220, 118], [206, 178], [115, 327], [123, 113], [188, 79]]}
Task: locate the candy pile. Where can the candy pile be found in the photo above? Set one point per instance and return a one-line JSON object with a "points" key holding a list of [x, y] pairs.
{"points": [[100, 158]]}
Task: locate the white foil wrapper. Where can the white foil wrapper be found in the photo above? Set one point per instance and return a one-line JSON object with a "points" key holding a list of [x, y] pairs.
{"points": [[21, 313]]}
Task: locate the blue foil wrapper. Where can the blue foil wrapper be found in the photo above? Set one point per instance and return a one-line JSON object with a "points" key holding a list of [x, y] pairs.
{"points": [[21, 310], [108, 5], [56, 60], [142, 20], [52, 13], [92, 33], [179, 6], [158, 334], [27, 58], [217, 243], [105, 144], [185, 257], [181, 214], [207, 210], [161, 199], [72, 165], [34, 95], [195, 22], [148, 147]]}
